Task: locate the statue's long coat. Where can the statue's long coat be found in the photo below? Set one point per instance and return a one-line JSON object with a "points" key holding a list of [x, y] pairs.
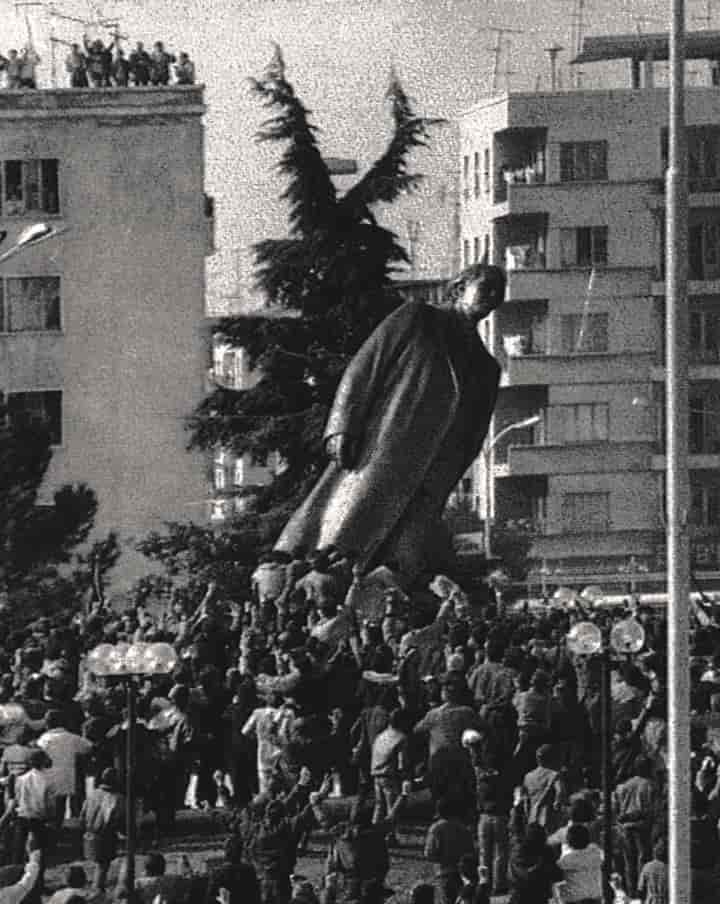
{"points": [[417, 397]]}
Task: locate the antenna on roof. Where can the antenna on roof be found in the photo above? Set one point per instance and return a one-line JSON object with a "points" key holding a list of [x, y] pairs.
{"points": [[497, 49], [578, 36], [553, 52]]}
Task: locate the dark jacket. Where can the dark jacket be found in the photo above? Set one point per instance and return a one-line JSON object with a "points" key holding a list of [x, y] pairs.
{"points": [[532, 876]]}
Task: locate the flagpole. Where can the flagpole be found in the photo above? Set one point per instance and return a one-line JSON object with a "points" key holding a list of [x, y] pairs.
{"points": [[678, 548]]}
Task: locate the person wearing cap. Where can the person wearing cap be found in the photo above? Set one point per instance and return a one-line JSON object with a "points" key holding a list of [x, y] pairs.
{"points": [[100, 820]]}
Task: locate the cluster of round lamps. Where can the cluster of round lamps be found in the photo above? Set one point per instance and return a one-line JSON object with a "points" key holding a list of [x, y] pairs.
{"points": [[585, 638], [132, 659]]}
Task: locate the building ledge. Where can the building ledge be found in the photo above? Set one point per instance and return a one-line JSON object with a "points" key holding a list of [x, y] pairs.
{"points": [[705, 461], [106, 102], [694, 287]]}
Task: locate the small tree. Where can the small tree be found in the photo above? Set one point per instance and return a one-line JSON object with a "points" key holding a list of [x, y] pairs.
{"points": [[333, 272], [40, 567]]}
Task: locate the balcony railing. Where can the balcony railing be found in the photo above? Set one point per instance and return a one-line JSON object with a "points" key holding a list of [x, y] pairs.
{"points": [[523, 175]]}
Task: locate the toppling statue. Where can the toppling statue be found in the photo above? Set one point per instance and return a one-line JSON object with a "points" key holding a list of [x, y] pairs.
{"points": [[410, 415]]}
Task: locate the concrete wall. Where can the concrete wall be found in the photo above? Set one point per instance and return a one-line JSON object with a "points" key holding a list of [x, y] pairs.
{"points": [[131, 357]]}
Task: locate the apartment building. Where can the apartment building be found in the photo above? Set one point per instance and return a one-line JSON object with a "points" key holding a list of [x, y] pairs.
{"points": [[566, 190], [101, 332]]}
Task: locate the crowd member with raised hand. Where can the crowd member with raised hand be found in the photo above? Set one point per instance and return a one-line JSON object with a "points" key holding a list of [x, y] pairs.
{"points": [[76, 65]]}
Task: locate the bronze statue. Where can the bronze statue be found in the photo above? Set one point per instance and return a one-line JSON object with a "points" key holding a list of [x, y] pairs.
{"points": [[410, 415]]}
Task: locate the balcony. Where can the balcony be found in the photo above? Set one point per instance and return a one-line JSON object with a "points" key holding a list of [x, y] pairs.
{"points": [[694, 287], [583, 458], [544, 370], [697, 461], [608, 544], [509, 178], [526, 283], [702, 192], [698, 371]]}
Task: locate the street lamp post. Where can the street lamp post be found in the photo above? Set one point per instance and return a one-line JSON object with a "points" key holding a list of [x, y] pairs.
{"points": [[32, 235], [488, 464], [128, 662], [676, 394], [587, 639]]}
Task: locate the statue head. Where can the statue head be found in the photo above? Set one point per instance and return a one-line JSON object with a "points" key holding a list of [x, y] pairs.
{"points": [[477, 290]]}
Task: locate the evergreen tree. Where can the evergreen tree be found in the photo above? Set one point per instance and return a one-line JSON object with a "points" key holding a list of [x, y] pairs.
{"points": [[333, 276], [36, 540]]}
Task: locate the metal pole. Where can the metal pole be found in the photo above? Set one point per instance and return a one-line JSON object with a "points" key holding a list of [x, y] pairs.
{"points": [[488, 502], [129, 788], [677, 473], [606, 767]]}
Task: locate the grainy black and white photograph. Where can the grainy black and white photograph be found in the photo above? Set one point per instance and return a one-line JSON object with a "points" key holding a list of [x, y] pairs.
{"points": [[360, 451]]}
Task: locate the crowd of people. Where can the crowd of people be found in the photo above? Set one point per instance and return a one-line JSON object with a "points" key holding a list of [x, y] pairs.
{"points": [[326, 683], [95, 64]]}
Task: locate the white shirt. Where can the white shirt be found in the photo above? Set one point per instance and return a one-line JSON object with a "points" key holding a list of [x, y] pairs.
{"points": [[32, 793], [583, 873], [63, 747]]}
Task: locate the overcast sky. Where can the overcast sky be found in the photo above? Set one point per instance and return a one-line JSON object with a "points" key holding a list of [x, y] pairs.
{"points": [[338, 55]]}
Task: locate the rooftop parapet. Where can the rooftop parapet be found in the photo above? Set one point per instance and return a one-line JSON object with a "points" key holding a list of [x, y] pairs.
{"points": [[49, 103]]}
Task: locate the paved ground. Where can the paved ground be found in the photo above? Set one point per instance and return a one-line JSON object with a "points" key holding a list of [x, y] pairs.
{"points": [[201, 838]]}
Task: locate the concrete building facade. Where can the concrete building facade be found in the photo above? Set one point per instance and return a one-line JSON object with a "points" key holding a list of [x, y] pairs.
{"points": [[566, 191], [102, 326]]}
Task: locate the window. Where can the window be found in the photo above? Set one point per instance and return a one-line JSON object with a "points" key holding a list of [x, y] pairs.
{"points": [[705, 334], [466, 177], [705, 506], [30, 303], [29, 185], [584, 333], [476, 174], [697, 424], [239, 475], [586, 246], [466, 252], [704, 250], [586, 423], [37, 408], [476, 249], [486, 170], [220, 477], [703, 159], [586, 512], [583, 161]]}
